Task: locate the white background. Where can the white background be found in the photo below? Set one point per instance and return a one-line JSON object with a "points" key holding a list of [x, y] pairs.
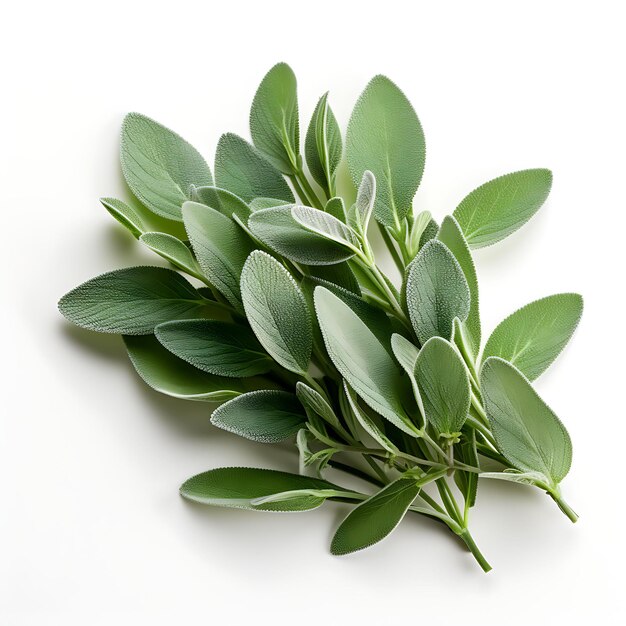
{"points": [[92, 530]]}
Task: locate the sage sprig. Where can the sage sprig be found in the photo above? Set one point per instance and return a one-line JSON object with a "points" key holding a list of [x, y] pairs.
{"points": [[286, 321]]}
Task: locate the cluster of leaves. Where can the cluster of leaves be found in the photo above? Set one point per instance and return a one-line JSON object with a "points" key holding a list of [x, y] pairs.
{"points": [[296, 332]]}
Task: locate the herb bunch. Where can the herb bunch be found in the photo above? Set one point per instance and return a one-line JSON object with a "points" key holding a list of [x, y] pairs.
{"points": [[297, 333]]}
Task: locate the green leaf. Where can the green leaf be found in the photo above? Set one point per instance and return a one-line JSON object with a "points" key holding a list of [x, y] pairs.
{"points": [[221, 348], [159, 165], [377, 517], [444, 386], [527, 431], [265, 203], [266, 416], [277, 311], [322, 146], [174, 250], [223, 201], [314, 402], [336, 208], [126, 215], [361, 359], [277, 228], [221, 248], [451, 235], [436, 292], [274, 119], [533, 336], [167, 374], [430, 232], [326, 226], [339, 274], [385, 137], [249, 488], [240, 168], [502, 205], [466, 452], [406, 354], [365, 200], [132, 301]]}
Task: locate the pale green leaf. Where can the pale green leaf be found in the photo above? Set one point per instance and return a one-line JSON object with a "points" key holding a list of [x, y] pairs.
{"points": [[527, 431], [159, 165], [174, 250], [327, 226], [502, 205], [533, 336], [385, 136], [336, 207], [314, 402], [277, 311], [125, 215], [365, 200], [223, 201]]}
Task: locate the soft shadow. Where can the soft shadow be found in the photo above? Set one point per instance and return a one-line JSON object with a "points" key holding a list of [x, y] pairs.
{"points": [[100, 344]]}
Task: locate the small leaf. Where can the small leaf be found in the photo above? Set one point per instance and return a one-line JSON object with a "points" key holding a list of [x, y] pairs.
{"points": [[133, 301], [240, 168], [533, 336], [502, 205], [365, 200], [174, 250], [451, 235], [277, 228], [377, 517], [466, 452], [527, 431], [277, 311], [266, 416], [327, 226], [167, 374], [274, 119], [125, 215], [336, 208], [220, 348], [444, 386], [385, 137], [406, 354], [322, 146], [361, 359], [223, 201], [436, 292], [159, 165], [314, 402], [221, 248], [245, 488]]}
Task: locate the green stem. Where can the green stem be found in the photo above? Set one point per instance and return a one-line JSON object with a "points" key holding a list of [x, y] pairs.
{"points": [[566, 508], [304, 198], [393, 251], [473, 548], [306, 187]]}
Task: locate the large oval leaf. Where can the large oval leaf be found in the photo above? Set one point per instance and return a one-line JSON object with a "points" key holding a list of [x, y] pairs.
{"points": [[133, 301], [240, 168], [277, 311], [322, 146], [444, 386], [266, 416], [277, 228], [451, 235], [167, 374], [159, 165], [274, 122], [533, 336], [221, 348], [436, 292], [500, 206], [362, 360], [385, 136], [221, 248], [527, 431], [260, 489]]}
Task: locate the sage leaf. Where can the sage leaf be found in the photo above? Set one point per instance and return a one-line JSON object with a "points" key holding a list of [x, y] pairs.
{"points": [[361, 359], [171, 376], [377, 517], [174, 250], [339, 274], [444, 386], [125, 215], [240, 168], [322, 146], [246, 488], [159, 165], [133, 301], [365, 200], [277, 311], [499, 207], [265, 203], [466, 452], [221, 348], [221, 248], [451, 235], [533, 336], [277, 228], [385, 136], [527, 431], [326, 226], [274, 122], [266, 416], [436, 292], [314, 402], [223, 201], [406, 354]]}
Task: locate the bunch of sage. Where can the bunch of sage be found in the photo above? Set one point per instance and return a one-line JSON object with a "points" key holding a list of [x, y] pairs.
{"points": [[287, 322]]}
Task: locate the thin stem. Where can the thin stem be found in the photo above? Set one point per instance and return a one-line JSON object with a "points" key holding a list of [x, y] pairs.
{"points": [[355, 471], [306, 187], [393, 251], [473, 548], [301, 193], [566, 508]]}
